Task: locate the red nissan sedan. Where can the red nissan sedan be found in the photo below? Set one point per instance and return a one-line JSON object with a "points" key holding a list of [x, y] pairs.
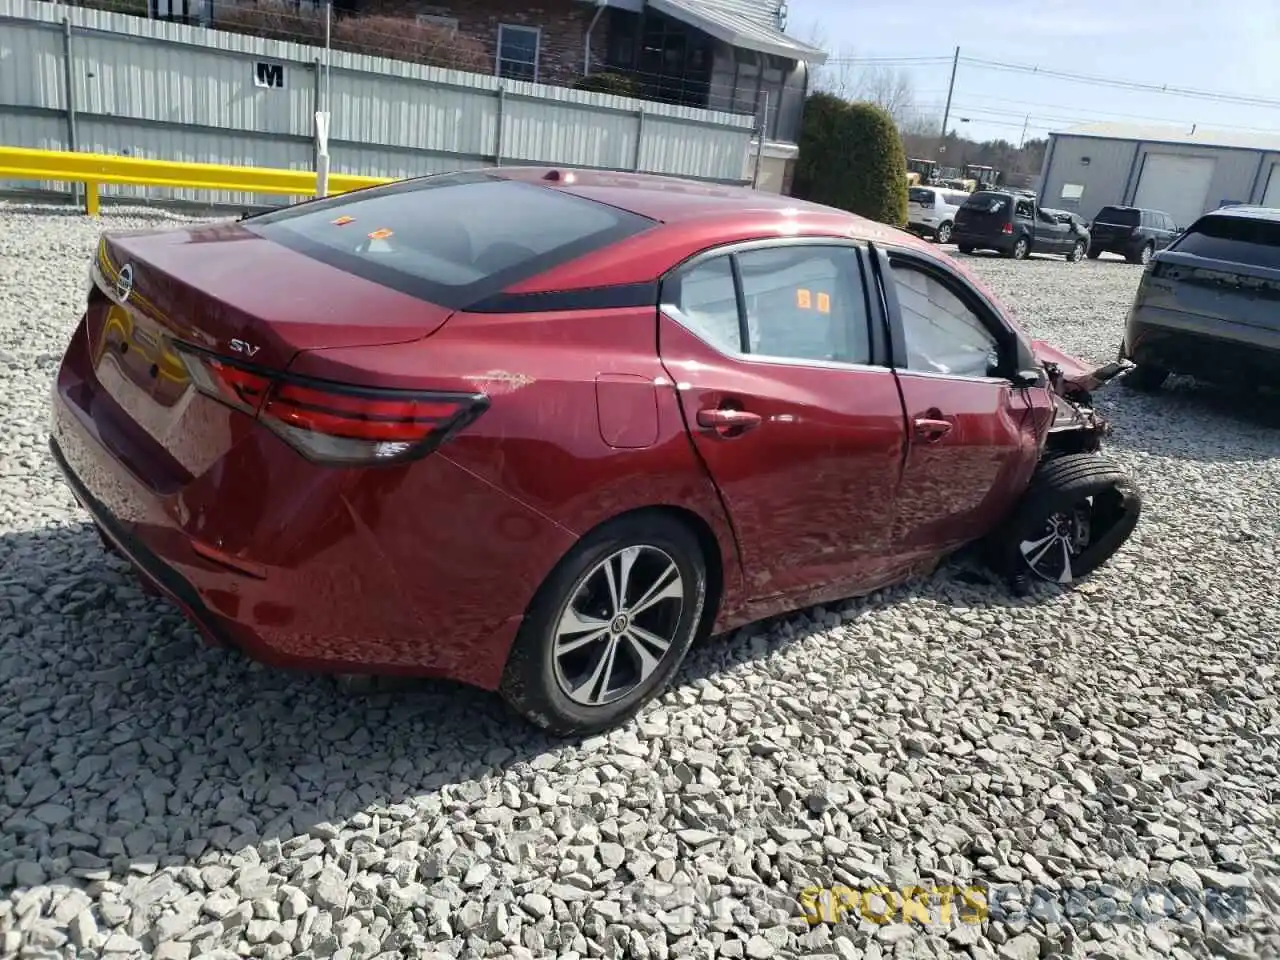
{"points": [[537, 430]]}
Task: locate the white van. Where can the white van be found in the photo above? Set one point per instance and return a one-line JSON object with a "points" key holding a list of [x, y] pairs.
{"points": [[931, 211]]}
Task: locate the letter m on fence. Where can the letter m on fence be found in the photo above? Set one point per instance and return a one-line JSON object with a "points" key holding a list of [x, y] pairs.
{"points": [[268, 74]]}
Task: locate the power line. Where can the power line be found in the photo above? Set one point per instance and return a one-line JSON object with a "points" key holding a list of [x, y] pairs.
{"points": [[1189, 92]]}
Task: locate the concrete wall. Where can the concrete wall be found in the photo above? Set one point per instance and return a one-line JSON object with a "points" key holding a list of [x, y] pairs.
{"points": [[88, 80], [1111, 175]]}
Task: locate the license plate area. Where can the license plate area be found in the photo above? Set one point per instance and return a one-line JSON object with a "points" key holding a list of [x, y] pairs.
{"points": [[136, 364]]}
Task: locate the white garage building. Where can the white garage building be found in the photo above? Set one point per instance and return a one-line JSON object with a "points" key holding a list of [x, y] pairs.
{"points": [[1182, 171]]}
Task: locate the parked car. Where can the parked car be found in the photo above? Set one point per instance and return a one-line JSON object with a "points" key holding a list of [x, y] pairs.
{"points": [[1012, 223], [931, 211], [1206, 305], [537, 430], [1078, 224], [1132, 232]]}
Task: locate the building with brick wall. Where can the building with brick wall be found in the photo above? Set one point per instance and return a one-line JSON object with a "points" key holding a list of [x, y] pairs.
{"points": [[730, 55]]}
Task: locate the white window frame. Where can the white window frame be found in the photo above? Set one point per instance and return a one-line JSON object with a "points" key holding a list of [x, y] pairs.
{"points": [[519, 28], [436, 20]]}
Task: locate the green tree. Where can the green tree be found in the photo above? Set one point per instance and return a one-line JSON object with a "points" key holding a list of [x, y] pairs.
{"points": [[851, 157]]}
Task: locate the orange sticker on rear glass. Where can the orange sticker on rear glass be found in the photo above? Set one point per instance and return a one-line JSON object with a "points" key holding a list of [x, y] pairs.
{"points": [[343, 221], [380, 234], [824, 303], [804, 300]]}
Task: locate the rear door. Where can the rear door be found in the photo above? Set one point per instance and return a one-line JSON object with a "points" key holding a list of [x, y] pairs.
{"points": [[972, 433], [773, 354]]}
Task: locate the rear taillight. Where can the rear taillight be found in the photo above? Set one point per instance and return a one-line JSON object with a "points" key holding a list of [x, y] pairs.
{"points": [[1007, 228], [337, 423]]}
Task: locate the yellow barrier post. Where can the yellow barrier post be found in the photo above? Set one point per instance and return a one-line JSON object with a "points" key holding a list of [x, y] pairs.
{"points": [[90, 198]]}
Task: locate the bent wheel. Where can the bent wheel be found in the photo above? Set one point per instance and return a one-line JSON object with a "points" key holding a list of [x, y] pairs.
{"points": [[610, 626], [1077, 512]]}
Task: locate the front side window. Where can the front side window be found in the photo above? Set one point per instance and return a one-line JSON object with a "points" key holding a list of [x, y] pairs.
{"points": [[1023, 209], [518, 52], [805, 303], [943, 335]]}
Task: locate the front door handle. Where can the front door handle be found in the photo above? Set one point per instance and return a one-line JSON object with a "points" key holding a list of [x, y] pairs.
{"points": [[932, 429], [727, 421]]}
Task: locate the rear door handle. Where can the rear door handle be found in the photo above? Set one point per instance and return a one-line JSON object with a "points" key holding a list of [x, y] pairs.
{"points": [[725, 419], [932, 429]]}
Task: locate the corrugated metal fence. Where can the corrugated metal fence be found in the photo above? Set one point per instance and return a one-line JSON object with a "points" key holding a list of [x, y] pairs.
{"points": [[83, 79]]}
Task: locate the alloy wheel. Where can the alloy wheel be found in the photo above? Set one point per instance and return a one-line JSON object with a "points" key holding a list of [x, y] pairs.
{"points": [[944, 233], [1061, 541], [618, 625]]}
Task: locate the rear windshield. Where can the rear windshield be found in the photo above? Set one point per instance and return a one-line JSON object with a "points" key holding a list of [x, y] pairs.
{"points": [[453, 239], [920, 195], [984, 202], [1234, 239], [1124, 217]]}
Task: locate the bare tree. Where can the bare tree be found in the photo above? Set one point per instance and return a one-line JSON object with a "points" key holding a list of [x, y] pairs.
{"points": [[843, 77]]}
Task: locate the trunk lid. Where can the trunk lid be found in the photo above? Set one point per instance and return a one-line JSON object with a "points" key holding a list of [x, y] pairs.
{"points": [[231, 293]]}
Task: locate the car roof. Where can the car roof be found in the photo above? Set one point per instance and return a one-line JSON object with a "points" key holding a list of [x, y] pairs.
{"points": [[672, 200], [1247, 212]]}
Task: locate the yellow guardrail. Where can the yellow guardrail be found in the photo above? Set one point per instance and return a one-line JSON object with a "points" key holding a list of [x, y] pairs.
{"points": [[93, 169]]}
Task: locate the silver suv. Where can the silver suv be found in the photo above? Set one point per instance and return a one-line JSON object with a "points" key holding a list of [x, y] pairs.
{"points": [[931, 211]]}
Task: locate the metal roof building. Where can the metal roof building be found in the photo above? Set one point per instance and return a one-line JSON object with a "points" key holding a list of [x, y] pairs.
{"points": [[1183, 171]]}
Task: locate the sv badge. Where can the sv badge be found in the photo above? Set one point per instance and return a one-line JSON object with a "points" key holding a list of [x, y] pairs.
{"points": [[248, 349]]}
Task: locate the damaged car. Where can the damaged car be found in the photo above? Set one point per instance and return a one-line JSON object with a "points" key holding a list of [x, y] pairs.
{"points": [[538, 430]]}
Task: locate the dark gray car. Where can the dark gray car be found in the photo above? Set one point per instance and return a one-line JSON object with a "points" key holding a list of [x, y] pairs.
{"points": [[1209, 304], [1132, 232]]}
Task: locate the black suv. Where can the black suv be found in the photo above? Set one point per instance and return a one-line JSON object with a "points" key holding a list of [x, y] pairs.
{"points": [[1132, 232]]}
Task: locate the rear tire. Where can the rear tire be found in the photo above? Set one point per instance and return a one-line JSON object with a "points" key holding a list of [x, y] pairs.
{"points": [[965, 248], [1146, 378], [1021, 249], [1143, 255], [1093, 254], [944, 233], [1078, 510], [584, 662]]}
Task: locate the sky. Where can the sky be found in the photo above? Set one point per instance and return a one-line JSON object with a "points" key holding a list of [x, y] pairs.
{"points": [[1230, 47]]}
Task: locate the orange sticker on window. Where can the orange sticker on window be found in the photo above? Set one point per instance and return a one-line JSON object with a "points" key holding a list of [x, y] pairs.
{"points": [[804, 300], [343, 221], [824, 303], [380, 234]]}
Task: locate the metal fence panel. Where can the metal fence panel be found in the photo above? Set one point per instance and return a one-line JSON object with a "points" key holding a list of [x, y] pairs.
{"points": [[158, 89]]}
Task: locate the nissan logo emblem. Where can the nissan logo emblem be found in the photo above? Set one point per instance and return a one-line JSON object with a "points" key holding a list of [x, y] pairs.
{"points": [[124, 281]]}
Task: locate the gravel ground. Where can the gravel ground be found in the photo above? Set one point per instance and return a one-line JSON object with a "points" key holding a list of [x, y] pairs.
{"points": [[160, 799]]}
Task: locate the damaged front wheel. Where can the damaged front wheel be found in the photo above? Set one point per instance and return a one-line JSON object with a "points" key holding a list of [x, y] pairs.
{"points": [[1079, 509]]}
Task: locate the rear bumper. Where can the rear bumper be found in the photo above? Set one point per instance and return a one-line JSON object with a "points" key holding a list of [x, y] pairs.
{"points": [[1209, 348], [412, 570], [984, 241]]}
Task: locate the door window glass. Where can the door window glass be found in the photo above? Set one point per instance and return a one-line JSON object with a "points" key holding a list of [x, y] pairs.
{"points": [[942, 334], [805, 303], [709, 304], [1023, 209]]}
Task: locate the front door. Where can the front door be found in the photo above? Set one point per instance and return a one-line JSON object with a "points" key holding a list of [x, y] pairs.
{"points": [[773, 356], [972, 439]]}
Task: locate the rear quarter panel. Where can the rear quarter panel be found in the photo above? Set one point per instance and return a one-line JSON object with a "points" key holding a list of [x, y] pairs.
{"points": [[550, 378]]}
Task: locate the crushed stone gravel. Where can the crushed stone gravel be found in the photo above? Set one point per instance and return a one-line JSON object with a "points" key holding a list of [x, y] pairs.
{"points": [[161, 799]]}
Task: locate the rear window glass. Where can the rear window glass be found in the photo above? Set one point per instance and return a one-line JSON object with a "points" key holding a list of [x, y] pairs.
{"points": [[920, 195], [1234, 239], [453, 239], [1115, 215], [987, 202]]}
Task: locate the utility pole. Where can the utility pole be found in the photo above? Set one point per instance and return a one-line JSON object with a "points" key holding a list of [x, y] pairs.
{"points": [[1023, 139], [946, 113]]}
